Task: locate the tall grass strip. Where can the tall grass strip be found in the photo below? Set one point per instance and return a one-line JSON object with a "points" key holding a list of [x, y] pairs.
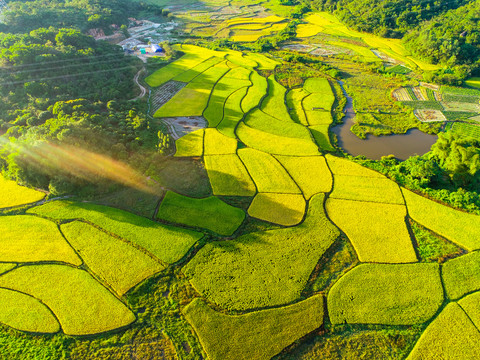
{"points": [[190, 144], [462, 275], [167, 243], [457, 226], [378, 232], [25, 313], [117, 263], [267, 173], [281, 209], [228, 176], [15, 195], [401, 294], [266, 268], [210, 213], [452, 335], [81, 304], [311, 173], [30, 239], [256, 335], [215, 143]]}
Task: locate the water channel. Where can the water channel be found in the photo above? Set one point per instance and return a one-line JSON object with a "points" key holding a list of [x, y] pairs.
{"points": [[413, 142]]}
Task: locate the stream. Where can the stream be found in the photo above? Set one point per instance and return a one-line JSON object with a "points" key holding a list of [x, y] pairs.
{"points": [[413, 142]]}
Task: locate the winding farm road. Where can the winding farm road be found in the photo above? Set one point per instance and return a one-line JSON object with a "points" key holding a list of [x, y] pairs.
{"points": [[143, 90]]}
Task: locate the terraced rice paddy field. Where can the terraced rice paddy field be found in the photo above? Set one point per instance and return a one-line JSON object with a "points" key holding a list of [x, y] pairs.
{"points": [[294, 245]]}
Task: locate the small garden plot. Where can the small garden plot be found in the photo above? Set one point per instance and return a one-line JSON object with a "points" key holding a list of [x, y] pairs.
{"points": [[210, 213], [266, 268], [452, 335], [255, 92], [174, 69], [473, 82], [267, 173], [281, 209], [167, 243], [228, 176], [25, 313], [424, 105], [215, 143], [367, 189], [233, 113], [401, 294], [256, 335], [81, 304], [378, 232], [274, 144], [457, 226], [462, 275], [321, 135], [274, 103], [115, 262], [430, 115], [225, 87], [340, 166], [294, 103], [259, 120], [30, 239], [467, 130], [402, 94], [15, 195], [190, 144], [311, 173], [470, 304], [264, 63], [461, 106]]}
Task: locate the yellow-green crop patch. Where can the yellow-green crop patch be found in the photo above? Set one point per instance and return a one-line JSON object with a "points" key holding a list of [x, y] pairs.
{"points": [[308, 30], [255, 92], [462, 275], [311, 173], [274, 103], [259, 120], [340, 166], [267, 173], [190, 101], [321, 135], [457, 226], [210, 213], [364, 52], [232, 113], [4, 267], [215, 143], [117, 263], [315, 110], [167, 243], [15, 195], [79, 302], [266, 268], [25, 313], [30, 239], [470, 305], [275, 144], [378, 232], [190, 144], [367, 189], [256, 335], [451, 335], [191, 74], [282, 209], [294, 103], [264, 63], [387, 294], [228, 176], [473, 82]]}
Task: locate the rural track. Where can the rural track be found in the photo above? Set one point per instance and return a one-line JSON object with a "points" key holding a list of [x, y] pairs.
{"points": [[143, 90]]}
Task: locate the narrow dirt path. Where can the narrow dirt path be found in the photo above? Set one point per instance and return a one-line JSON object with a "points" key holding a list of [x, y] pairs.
{"points": [[143, 90]]}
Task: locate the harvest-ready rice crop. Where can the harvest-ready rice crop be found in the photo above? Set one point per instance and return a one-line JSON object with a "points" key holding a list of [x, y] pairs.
{"points": [[15, 195], [274, 103], [282, 209], [190, 144], [215, 143], [462, 275]]}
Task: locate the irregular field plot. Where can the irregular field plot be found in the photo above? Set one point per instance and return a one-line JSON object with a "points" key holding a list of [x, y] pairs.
{"points": [[264, 268], [189, 101], [267, 173], [462, 275], [228, 176], [232, 113], [25, 313], [215, 143], [367, 189], [257, 335], [167, 243], [190, 144], [452, 335], [15, 195], [117, 263], [255, 92], [400, 294], [321, 136], [30, 238], [340, 166], [264, 63], [282, 209], [378, 232], [80, 303], [274, 144], [471, 305], [460, 227], [196, 71], [209, 213], [274, 103], [294, 103], [259, 120]]}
